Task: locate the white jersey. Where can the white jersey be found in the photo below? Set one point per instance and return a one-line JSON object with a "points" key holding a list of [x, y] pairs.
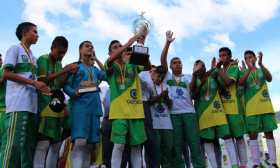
{"points": [[20, 97], [179, 92], [159, 111], [146, 80]]}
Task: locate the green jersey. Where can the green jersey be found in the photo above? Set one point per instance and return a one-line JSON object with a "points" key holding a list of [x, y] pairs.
{"points": [[257, 99], [230, 99], [126, 94], [45, 68], [208, 105]]}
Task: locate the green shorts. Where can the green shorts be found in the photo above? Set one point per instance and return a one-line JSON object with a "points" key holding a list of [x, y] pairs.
{"points": [[128, 131], [2, 124], [261, 123], [51, 128], [212, 133], [164, 147], [19, 140], [236, 125]]}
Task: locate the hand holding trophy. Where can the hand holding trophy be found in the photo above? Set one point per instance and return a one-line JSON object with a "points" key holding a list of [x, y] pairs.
{"points": [[140, 53]]}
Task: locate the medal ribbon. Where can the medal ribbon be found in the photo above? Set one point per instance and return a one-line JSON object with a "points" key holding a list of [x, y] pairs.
{"points": [[29, 59], [122, 71]]}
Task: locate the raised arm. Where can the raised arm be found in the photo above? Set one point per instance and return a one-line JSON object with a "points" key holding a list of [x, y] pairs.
{"points": [[115, 55], [169, 40], [267, 74], [251, 68]]}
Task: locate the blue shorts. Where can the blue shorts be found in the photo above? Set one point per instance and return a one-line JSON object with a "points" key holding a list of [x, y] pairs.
{"points": [[85, 121]]}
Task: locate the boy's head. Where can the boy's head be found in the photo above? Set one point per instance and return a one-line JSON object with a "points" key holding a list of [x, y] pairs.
{"points": [[225, 54], [250, 56], [59, 47], [176, 65], [199, 67], [113, 46], [28, 31], [158, 74], [126, 54], [86, 49]]}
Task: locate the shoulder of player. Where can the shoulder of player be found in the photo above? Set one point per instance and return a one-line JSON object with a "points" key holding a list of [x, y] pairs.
{"points": [[43, 57]]}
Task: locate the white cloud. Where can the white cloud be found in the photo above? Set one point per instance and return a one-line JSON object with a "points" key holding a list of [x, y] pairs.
{"points": [[217, 41], [185, 18], [37, 12]]}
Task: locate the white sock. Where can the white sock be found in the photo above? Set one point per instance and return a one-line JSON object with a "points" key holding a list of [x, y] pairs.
{"points": [[271, 150], [210, 152], [40, 154], [53, 155], [79, 153], [231, 151], [117, 155], [242, 151], [255, 152], [136, 156]]}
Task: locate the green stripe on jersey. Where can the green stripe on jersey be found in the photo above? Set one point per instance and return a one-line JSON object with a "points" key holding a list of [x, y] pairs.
{"points": [[24, 67], [174, 83]]}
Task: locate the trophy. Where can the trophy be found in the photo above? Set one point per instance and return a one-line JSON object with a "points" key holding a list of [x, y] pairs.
{"points": [[140, 53]]}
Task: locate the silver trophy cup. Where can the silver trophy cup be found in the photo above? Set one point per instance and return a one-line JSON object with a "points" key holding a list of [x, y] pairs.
{"points": [[140, 53]]}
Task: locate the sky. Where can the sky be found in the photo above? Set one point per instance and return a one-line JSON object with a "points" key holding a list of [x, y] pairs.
{"points": [[201, 27]]}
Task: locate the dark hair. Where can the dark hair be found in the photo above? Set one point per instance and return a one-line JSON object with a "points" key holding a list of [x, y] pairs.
{"points": [[199, 61], [227, 50], [174, 58], [23, 27], [161, 70], [60, 41], [249, 52], [82, 43], [112, 43], [80, 47]]}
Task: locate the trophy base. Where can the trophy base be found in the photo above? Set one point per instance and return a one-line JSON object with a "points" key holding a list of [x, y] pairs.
{"points": [[89, 89], [140, 55]]}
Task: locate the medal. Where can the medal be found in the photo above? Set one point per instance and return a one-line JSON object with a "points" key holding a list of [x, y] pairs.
{"points": [[33, 70], [122, 86], [257, 82], [122, 76]]}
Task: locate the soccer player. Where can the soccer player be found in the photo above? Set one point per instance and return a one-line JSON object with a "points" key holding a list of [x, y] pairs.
{"points": [[19, 138], [184, 119], [50, 71], [126, 107], [228, 76], [160, 112], [212, 118], [259, 111], [86, 109]]}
